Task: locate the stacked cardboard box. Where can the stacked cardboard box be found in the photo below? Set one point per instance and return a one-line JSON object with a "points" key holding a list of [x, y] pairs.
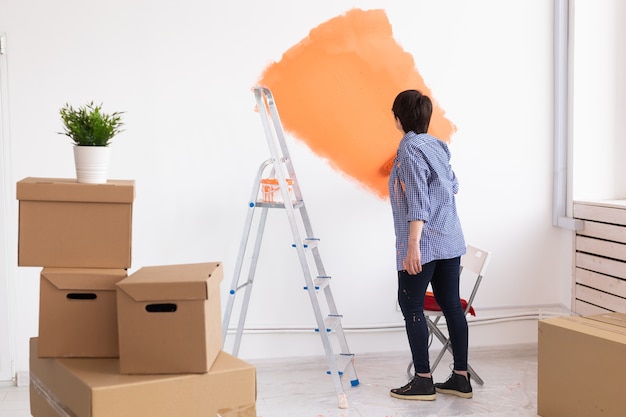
{"points": [[580, 363], [113, 344], [63, 223], [169, 319]]}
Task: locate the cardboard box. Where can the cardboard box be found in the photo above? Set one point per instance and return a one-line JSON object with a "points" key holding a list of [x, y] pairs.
{"points": [[78, 312], [63, 223], [93, 387], [169, 318], [580, 366]]}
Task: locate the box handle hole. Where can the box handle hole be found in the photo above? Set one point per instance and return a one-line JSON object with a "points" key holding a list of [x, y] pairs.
{"points": [[81, 296], [161, 308]]}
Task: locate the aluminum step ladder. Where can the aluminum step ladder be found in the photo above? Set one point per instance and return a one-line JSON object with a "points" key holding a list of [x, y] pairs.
{"points": [[281, 191]]}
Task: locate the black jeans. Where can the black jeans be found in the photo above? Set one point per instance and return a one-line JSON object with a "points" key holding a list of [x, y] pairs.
{"points": [[443, 275]]}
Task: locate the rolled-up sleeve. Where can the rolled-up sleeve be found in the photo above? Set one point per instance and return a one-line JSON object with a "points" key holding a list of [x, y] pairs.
{"points": [[413, 173]]}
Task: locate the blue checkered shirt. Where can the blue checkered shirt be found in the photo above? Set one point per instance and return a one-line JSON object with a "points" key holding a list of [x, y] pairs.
{"points": [[422, 186]]}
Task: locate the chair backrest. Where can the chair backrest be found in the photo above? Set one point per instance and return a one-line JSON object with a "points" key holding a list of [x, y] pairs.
{"points": [[476, 261]]}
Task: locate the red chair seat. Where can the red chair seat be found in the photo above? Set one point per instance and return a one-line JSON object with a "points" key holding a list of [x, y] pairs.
{"points": [[431, 304]]}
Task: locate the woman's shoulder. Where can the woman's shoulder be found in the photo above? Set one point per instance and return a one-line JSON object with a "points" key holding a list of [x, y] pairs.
{"points": [[419, 138], [414, 142]]}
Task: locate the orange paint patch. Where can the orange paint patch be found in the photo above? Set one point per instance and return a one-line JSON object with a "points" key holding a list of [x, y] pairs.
{"points": [[334, 91]]}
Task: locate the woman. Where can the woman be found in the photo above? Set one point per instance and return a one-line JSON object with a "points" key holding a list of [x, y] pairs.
{"points": [[429, 245]]}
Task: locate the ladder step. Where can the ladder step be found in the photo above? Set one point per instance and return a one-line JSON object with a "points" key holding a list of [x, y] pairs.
{"points": [[311, 242], [297, 204], [308, 243], [319, 283], [343, 361], [331, 322]]}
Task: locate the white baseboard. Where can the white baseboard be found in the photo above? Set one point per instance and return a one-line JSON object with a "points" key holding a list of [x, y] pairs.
{"points": [[494, 326], [22, 379]]}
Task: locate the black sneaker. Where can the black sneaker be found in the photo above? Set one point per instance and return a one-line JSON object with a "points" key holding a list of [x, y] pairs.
{"points": [[419, 388], [456, 385]]}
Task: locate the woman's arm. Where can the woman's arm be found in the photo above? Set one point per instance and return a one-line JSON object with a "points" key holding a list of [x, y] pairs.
{"points": [[413, 261]]}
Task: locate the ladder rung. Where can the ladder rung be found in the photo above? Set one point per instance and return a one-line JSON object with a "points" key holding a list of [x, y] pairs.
{"points": [[319, 283], [245, 284], [308, 243], [311, 242], [331, 322], [296, 204], [343, 360]]}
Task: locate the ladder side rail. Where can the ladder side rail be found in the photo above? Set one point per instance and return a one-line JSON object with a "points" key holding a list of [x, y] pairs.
{"points": [[242, 250], [316, 254], [319, 318], [269, 106], [328, 349], [265, 105], [273, 133], [308, 228], [255, 253], [333, 309], [318, 260], [233, 289], [280, 134], [236, 275], [262, 107], [341, 336], [251, 273], [281, 139], [330, 300]]}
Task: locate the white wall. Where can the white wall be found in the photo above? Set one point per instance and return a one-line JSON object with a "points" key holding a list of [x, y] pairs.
{"points": [[8, 255], [598, 112], [193, 142]]}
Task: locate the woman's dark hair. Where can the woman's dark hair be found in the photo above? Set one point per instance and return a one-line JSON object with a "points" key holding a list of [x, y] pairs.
{"points": [[414, 110]]}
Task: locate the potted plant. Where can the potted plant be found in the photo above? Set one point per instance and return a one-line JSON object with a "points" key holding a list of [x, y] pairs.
{"points": [[91, 130]]}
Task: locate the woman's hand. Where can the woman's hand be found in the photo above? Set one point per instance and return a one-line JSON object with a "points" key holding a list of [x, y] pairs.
{"points": [[413, 261]]}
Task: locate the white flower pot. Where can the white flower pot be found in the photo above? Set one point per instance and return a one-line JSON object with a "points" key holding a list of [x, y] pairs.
{"points": [[92, 164]]}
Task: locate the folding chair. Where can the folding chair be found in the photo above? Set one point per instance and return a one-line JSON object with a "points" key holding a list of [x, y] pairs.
{"points": [[474, 263]]}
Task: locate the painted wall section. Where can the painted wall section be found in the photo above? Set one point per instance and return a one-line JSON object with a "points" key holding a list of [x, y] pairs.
{"points": [[334, 91]]}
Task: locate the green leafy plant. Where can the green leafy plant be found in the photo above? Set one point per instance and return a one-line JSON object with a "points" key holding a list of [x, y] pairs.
{"points": [[88, 126]]}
